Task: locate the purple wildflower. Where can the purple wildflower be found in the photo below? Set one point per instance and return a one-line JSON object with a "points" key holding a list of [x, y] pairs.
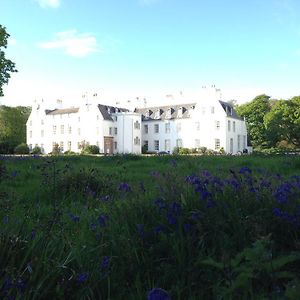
{"points": [[33, 234], [102, 220], [74, 218], [141, 231], [124, 187], [82, 277], [245, 170], [171, 219], [20, 285], [105, 263], [158, 294]]}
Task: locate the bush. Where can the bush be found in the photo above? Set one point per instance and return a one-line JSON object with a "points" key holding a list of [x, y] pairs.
{"points": [[203, 150], [36, 150], [90, 149], [144, 149], [22, 149], [56, 150], [176, 150], [69, 152], [184, 151]]}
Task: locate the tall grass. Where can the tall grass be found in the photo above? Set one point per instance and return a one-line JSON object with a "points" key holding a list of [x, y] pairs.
{"points": [[117, 227]]}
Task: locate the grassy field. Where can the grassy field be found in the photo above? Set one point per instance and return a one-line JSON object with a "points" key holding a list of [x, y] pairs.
{"points": [[133, 227]]}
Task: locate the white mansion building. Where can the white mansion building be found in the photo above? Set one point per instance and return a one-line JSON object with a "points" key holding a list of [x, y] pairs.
{"points": [[208, 123]]}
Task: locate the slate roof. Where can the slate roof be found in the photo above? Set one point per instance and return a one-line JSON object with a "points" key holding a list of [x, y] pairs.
{"points": [[107, 110], [62, 111], [230, 111], [180, 111]]}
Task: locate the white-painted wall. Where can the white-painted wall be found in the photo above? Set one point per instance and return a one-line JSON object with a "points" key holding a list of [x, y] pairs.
{"points": [[88, 125]]}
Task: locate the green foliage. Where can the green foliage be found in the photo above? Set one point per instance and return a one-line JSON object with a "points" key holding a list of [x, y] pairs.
{"points": [[200, 227], [144, 149], [56, 150], [12, 127], [272, 123], [90, 149], [36, 150], [22, 149], [254, 112], [6, 65], [184, 151]]}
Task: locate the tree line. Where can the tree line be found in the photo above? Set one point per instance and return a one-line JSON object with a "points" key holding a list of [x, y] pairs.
{"points": [[12, 127], [272, 123]]}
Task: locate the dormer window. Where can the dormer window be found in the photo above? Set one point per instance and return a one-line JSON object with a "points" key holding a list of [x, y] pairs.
{"points": [[108, 110], [180, 111], [169, 113], [158, 113], [148, 113]]}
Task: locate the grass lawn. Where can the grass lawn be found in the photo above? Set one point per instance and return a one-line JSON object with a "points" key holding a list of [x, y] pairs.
{"points": [[134, 227]]}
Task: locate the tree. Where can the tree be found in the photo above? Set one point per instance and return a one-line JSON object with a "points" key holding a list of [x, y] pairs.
{"points": [[6, 65], [283, 123], [254, 112], [12, 127]]}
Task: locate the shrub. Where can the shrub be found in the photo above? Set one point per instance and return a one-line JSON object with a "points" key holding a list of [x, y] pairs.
{"points": [[184, 150], [144, 149], [69, 152], [176, 150], [36, 150], [22, 149], [56, 150], [203, 150], [90, 149]]}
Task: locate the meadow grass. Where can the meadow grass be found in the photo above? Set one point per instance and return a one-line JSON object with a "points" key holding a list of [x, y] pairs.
{"points": [[120, 227]]}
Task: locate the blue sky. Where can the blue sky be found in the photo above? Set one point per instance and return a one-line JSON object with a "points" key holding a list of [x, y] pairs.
{"points": [[150, 48]]}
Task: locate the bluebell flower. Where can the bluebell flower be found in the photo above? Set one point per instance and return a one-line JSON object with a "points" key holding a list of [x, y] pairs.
{"points": [[33, 234], [105, 198], [205, 173], [155, 174], [171, 219], [192, 179], [20, 285], [124, 187], [210, 204], [282, 192], [141, 231], [102, 220], [74, 218], [175, 208], [93, 226], [245, 170], [173, 163], [82, 277], [105, 263], [196, 215], [7, 284], [5, 219], [158, 294], [160, 203], [14, 174], [158, 229], [187, 227], [142, 187], [277, 212]]}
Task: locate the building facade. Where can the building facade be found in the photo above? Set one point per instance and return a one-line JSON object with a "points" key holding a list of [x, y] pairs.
{"points": [[112, 129], [209, 123]]}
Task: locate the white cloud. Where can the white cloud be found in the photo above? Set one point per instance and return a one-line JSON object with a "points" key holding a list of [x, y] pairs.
{"points": [[72, 43], [48, 3]]}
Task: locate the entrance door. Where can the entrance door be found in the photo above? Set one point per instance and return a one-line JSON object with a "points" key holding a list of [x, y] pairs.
{"points": [[108, 144]]}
